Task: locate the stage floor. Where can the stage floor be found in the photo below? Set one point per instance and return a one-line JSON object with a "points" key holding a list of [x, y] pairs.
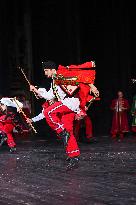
{"points": [[36, 174]]}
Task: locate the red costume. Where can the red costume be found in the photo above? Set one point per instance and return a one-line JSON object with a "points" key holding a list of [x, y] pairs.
{"points": [[8, 120], [88, 127], [79, 73], [6, 127], [119, 121], [86, 102], [60, 116]]}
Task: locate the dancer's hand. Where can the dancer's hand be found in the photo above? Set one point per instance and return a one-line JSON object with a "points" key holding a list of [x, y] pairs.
{"points": [[96, 93], [80, 115], [86, 108], [33, 88], [94, 90], [28, 120], [35, 91], [19, 109], [93, 64]]}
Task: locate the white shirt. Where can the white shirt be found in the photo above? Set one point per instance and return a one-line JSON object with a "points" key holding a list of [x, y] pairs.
{"points": [[71, 102], [11, 102]]}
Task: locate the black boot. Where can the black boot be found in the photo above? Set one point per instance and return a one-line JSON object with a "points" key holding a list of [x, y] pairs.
{"points": [[68, 159], [65, 137], [3, 138], [12, 149], [73, 163]]}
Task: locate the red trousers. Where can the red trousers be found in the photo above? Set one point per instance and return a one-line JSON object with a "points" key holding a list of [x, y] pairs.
{"points": [[60, 117], [88, 127], [8, 129]]}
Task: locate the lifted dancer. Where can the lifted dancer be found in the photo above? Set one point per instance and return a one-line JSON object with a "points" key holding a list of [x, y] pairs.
{"points": [[61, 114]]}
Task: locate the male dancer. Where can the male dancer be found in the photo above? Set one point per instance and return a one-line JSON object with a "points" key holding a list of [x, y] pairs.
{"points": [[60, 115], [8, 120]]}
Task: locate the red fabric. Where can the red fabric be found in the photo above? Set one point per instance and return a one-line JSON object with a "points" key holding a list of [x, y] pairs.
{"points": [[60, 117], [83, 76], [119, 120], [8, 129], [45, 104], [72, 149], [84, 98], [88, 127], [84, 65], [77, 127], [89, 98], [83, 93]]}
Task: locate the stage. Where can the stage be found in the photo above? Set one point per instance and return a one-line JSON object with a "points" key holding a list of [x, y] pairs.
{"points": [[36, 174]]}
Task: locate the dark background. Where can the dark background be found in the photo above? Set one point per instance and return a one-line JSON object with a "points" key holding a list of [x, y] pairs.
{"points": [[70, 32]]}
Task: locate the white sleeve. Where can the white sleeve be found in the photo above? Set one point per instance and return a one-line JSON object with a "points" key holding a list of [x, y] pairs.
{"points": [[11, 102], [7, 102], [18, 104], [38, 117], [48, 95]]}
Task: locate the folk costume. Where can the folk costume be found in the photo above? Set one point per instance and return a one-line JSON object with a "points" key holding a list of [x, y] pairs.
{"points": [[69, 90], [119, 120], [8, 121], [86, 122], [133, 112], [60, 115]]}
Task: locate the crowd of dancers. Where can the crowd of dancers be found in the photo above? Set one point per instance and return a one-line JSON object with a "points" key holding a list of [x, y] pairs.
{"points": [[71, 92]]}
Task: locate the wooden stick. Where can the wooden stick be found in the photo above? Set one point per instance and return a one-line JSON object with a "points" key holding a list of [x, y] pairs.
{"points": [[91, 101], [28, 81], [20, 109]]}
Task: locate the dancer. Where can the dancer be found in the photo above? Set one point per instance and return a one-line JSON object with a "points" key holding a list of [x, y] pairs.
{"points": [[133, 112], [61, 114], [8, 121], [119, 120]]}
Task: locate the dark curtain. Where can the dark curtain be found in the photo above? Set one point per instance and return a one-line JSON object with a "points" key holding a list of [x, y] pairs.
{"points": [[72, 32]]}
